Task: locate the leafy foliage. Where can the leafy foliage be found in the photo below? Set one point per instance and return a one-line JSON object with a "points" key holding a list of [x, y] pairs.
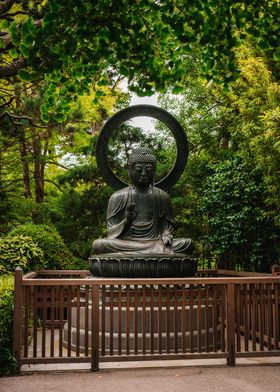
{"points": [[20, 251], [239, 228], [55, 253], [7, 362]]}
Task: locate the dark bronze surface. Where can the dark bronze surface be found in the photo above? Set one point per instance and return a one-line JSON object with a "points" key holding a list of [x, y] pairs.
{"points": [[135, 111]]}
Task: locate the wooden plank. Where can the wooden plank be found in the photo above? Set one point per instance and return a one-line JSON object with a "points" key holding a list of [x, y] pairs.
{"points": [[35, 321], [245, 306], [26, 291], [103, 320], [78, 319], [69, 320], [269, 317], [276, 316], [87, 320], [199, 319], [144, 320], [52, 309], [223, 316], [135, 319], [261, 319], [119, 320], [184, 318], [230, 325], [191, 319], [111, 333], [238, 320], [160, 319], [254, 317], [17, 325], [163, 357], [95, 328], [127, 320], [149, 281], [152, 321], [215, 318], [167, 296], [176, 319], [61, 318]]}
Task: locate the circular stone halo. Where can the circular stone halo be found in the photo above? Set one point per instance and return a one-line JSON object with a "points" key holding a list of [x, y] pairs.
{"points": [[137, 111]]}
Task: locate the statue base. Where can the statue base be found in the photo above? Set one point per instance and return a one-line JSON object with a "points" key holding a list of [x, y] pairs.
{"points": [[133, 265]]}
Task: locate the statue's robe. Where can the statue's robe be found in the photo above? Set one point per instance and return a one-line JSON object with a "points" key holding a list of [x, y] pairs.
{"points": [[152, 221]]}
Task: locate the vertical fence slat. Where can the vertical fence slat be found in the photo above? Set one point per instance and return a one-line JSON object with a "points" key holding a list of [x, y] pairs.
{"points": [[17, 327], [95, 328], [269, 316], [276, 316], [52, 320], [26, 320], [261, 320], [160, 319], [144, 319], [61, 318], [78, 319], [111, 320], [199, 319], [230, 325], [237, 317], [87, 319], [119, 320], [254, 317], [69, 320], [191, 288], [176, 319], [167, 302], [215, 317], [246, 318], [184, 317], [103, 320], [35, 319], [136, 320], [223, 316], [127, 320], [152, 320], [206, 319]]}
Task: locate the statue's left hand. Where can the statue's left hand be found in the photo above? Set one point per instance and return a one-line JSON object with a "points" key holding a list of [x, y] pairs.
{"points": [[167, 239]]}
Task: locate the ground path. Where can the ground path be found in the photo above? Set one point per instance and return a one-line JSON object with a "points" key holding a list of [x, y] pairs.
{"points": [[187, 379]]}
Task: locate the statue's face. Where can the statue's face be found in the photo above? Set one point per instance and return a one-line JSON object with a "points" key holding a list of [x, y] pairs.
{"points": [[142, 174]]}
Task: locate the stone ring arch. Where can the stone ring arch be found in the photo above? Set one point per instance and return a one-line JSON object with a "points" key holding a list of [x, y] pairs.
{"points": [[137, 111]]}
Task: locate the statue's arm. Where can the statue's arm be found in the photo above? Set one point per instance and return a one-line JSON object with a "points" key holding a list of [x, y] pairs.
{"points": [[167, 221], [118, 220]]}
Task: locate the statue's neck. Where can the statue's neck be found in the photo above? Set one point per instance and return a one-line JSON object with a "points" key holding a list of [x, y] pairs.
{"points": [[142, 189]]}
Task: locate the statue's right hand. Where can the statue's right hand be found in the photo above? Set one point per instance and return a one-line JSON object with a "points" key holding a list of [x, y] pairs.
{"points": [[130, 212]]}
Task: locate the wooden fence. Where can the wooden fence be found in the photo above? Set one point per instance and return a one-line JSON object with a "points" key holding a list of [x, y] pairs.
{"points": [[66, 317]]}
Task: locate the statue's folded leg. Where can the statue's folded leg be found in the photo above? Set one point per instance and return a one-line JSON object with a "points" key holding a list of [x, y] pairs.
{"points": [[183, 245], [113, 245]]}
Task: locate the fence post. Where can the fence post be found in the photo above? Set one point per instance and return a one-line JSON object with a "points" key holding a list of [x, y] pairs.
{"points": [[230, 325], [17, 324], [95, 328]]}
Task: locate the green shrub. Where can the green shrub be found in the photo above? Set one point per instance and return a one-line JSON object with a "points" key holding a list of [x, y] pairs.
{"points": [[19, 251], [56, 253], [7, 361]]}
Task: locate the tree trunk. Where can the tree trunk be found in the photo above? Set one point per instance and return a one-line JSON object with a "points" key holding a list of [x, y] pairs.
{"points": [[38, 172], [25, 163]]}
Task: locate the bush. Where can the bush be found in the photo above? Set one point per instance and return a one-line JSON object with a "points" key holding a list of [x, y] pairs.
{"points": [[56, 254], [7, 361], [19, 251]]}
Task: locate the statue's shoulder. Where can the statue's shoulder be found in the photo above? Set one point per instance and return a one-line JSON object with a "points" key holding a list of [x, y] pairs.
{"points": [[161, 193], [120, 193]]}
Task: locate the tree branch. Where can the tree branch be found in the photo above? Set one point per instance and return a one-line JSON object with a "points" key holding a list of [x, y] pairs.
{"points": [[55, 184], [6, 5], [13, 116], [13, 68]]}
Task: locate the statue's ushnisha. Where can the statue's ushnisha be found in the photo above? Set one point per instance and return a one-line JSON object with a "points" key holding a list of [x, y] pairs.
{"points": [[139, 217]]}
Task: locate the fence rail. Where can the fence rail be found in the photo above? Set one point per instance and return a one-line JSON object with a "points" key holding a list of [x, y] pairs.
{"points": [[66, 317]]}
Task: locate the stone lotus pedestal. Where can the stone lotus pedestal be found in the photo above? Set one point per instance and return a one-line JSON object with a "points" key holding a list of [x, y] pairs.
{"points": [[133, 265]]}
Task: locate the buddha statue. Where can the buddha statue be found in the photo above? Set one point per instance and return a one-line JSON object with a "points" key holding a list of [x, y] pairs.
{"points": [[139, 217]]}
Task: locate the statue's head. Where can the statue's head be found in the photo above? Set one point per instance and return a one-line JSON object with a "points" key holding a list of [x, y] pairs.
{"points": [[142, 167]]}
